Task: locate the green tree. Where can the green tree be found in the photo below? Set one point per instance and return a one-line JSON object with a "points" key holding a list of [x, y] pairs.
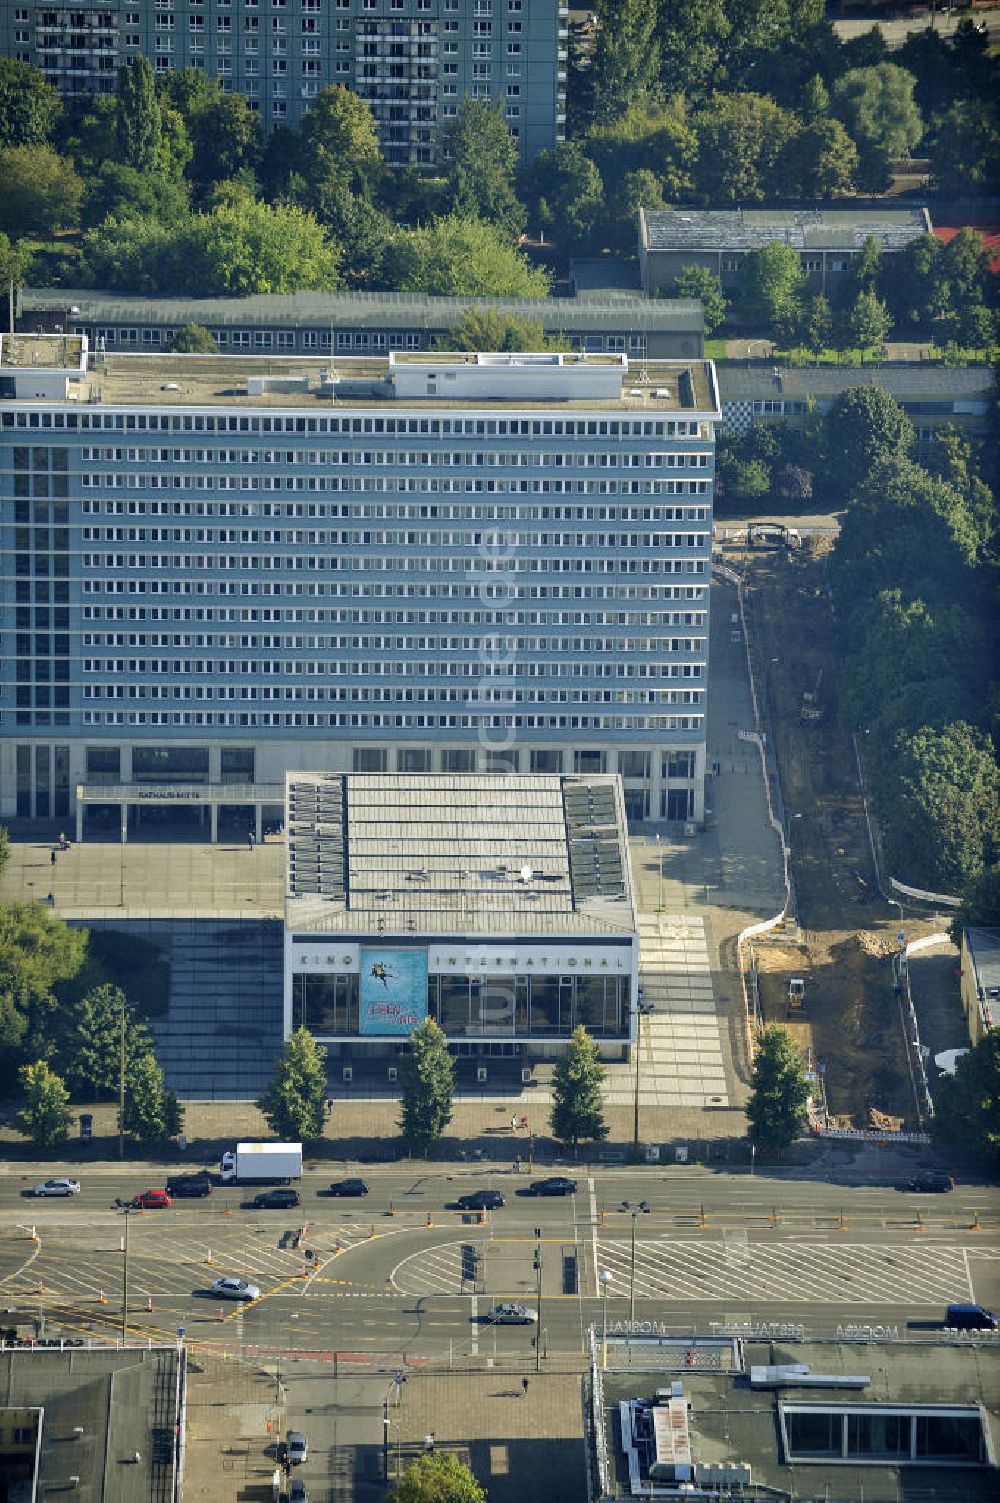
{"points": [[865, 426], [819, 161], [14, 262], [569, 194], [225, 139], [339, 142], [692, 38], [940, 806], [437, 1478], [967, 1104], [483, 160], [779, 1092], [138, 122], [742, 140], [964, 146], [152, 1113], [45, 1116], [489, 329], [915, 274], [428, 1085], [703, 285], [815, 104], [461, 257], [117, 192], [980, 904], [868, 268], [626, 65], [771, 284], [40, 191], [360, 230], [577, 1107], [37, 951], [193, 339], [295, 1101], [877, 106], [90, 1050], [817, 323], [29, 106], [868, 322], [657, 139]]}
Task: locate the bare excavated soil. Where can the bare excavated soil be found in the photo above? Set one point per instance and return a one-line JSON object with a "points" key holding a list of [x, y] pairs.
{"points": [[850, 1020]]}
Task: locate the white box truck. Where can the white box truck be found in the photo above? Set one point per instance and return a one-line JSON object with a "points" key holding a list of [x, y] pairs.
{"points": [[261, 1163]]}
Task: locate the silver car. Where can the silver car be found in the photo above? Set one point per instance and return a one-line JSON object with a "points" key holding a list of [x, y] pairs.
{"points": [[57, 1187], [235, 1289], [512, 1315]]}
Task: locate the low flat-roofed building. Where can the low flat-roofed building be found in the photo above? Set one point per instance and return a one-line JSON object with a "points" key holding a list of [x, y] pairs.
{"points": [[933, 396], [501, 906], [361, 323], [812, 1420], [827, 238], [97, 1423], [980, 980]]}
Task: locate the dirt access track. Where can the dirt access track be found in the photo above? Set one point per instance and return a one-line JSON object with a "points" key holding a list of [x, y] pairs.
{"points": [[850, 1019]]}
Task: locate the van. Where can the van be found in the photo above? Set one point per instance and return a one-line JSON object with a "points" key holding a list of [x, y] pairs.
{"points": [[970, 1318]]}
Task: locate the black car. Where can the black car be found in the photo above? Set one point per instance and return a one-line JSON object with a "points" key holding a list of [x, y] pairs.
{"points": [[481, 1200], [349, 1187], [189, 1184], [930, 1182], [557, 1185], [276, 1200]]}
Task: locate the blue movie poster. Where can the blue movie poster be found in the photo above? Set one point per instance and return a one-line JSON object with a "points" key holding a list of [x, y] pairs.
{"points": [[393, 990]]}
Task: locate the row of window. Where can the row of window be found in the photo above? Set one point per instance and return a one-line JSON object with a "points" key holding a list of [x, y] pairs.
{"points": [[458, 427], [99, 507], [354, 618], [242, 564], [298, 719], [478, 696], [275, 641], [126, 337], [376, 538], [423, 459], [394, 591], [390, 486]]}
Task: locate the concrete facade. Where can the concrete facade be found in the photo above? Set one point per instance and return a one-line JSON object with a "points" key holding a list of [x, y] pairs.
{"points": [[412, 60]]}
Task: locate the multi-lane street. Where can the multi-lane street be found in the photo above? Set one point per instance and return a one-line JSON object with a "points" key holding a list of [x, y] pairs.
{"points": [[403, 1271]]}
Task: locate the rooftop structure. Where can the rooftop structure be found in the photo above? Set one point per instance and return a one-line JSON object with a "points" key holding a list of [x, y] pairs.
{"points": [[65, 1412], [813, 228], [475, 853], [571, 381], [810, 1420]]}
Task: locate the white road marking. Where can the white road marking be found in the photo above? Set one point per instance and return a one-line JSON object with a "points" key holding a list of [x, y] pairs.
{"points": [[593, 1233], [474, 1308]]}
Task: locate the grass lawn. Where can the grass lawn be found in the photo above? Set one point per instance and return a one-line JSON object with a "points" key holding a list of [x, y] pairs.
{"points": [[715, 349]]}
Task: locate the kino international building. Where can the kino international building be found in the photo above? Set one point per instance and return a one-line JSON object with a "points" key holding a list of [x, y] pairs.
{"points": [[219, 570], [500, 906]]}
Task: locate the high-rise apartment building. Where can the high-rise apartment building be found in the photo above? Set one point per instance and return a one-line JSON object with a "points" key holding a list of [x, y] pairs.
{"points": [[219, 570], [413, 60]]}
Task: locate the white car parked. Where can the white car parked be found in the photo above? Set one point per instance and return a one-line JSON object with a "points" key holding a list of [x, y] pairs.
{"points": [[235, 1289], [57, 1187]]}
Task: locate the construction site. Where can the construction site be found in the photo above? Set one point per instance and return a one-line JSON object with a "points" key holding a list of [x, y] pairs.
{"points": [[828, 977]]}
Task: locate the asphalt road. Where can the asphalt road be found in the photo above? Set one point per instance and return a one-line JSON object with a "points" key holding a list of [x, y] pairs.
{"points": [[402, 1272]]}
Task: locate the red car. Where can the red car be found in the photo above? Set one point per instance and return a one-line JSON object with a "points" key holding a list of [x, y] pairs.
{"points": [[152, 1200]]}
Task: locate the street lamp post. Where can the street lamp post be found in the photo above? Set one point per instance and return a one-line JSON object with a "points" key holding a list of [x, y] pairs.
{"points": [[635, 1209], [639, 1011], [605, 1279], [538, 1298]]}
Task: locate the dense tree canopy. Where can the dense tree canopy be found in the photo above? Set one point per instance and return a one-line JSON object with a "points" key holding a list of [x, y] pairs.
{"points": [[40, 191], [865, 426], [29, 106], [483, 160], [461, 256], [878, 108]]}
